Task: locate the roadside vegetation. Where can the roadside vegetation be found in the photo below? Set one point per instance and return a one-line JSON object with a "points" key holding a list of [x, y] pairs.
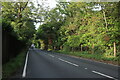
{"points": [[18, 30], [96, 57], [13, 65], [89, 30]]}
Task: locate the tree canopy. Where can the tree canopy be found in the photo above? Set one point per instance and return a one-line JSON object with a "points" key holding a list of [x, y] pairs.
{"points": [[74, 25]]}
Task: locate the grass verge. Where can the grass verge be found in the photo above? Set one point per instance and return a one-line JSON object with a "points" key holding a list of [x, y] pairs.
{"points": [[13, 65], [96, 57]]}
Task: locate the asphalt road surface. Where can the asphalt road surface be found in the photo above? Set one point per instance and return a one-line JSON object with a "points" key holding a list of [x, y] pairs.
{"points": [[44, 64]]}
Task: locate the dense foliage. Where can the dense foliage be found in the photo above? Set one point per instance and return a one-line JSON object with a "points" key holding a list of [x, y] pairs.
{"points": [[17, 27], [17, 15], [92, 27]]}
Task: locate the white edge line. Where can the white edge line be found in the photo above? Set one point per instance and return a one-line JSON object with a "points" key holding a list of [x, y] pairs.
{"points": [[85, 68], [104, 75], [68, 62], [93, 61], [98, 62], [25, 66], [52, 56]]}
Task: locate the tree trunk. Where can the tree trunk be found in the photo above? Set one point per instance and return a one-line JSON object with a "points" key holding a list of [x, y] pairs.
{"points": [[114, 49], [61, 47], [81, 48], [105, 20], [72, 49], [49, 40], [93, 49]]}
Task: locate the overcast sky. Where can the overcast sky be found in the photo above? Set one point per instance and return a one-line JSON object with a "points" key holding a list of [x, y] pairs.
{"points": [[50, 3]]}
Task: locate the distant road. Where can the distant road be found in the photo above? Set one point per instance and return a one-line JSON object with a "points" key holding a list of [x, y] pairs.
{"points": [[43, 64]]}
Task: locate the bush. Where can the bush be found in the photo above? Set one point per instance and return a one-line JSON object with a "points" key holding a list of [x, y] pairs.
{"points": [[66, 48], [85, 54], [13, 65]]}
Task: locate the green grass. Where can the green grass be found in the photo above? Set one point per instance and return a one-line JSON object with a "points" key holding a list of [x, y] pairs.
{"points": [[85, 54], [13, 65]]}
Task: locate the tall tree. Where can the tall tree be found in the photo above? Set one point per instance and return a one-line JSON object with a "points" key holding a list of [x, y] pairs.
{"points": [[18, 14]]}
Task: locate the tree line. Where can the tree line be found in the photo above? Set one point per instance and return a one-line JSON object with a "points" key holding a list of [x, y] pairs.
{"points": [[17, 27], [79, 26], [70, 26]]}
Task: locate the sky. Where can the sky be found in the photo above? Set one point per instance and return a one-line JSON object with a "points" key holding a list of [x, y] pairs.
{"points": [[50, 3]]}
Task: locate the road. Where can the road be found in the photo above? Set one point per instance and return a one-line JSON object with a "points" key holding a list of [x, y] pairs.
{"points": [[44, 64]]}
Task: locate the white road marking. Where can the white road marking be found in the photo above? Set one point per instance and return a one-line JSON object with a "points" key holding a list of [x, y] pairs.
{"points": [[99, 62], [85, 68], [68, 62], [25, 66], [52, 56], [104, 75]]}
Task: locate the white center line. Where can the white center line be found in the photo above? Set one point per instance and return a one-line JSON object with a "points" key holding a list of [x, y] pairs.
{"points": [[68, 62], [52, 56], [25, 66], [85, 68], [104, 75]]}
